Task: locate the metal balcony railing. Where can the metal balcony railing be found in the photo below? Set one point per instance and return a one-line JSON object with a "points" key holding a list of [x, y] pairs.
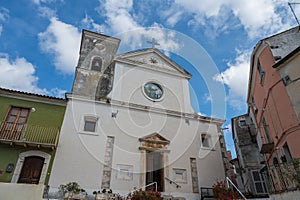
{"points": [[285, 176], [28, 135]]}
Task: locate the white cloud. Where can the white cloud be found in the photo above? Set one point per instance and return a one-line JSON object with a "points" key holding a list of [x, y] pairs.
{"points": [[62, 41], [4, 15], [38, 2], [258, 17], [121, 22], [56, 92], [46, 12], [236, 78], [209, 8], [90, 24], [22, 77]]}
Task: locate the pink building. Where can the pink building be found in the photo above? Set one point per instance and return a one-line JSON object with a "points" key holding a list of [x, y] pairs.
{"points": [[273, 100]]}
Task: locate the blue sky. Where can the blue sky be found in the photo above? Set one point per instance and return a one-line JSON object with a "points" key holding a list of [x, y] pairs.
{"points": [[39, 40]]}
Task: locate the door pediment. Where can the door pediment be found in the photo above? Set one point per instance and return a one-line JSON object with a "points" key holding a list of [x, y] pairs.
{"points": [[154, 142]]}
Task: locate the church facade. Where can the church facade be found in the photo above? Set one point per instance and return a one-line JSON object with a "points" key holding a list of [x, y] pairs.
{"points": [[129, 124]]}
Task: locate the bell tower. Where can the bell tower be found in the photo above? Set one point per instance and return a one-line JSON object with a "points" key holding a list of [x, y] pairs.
{"points": [[95, 68]]}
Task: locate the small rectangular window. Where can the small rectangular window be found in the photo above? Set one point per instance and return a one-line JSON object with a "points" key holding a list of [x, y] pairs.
{"points": [[205, 139], [287, 152], [261, 73], [286, 80], [243, 123], [266, 129], [90, 126], [254, 106]]}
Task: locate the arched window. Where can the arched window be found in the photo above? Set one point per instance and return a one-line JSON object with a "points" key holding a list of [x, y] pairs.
{"points": [[96, 64]]}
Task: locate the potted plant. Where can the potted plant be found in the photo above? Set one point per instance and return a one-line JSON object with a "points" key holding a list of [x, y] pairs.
{"points": [[221, 192], [104, 194], [72, 190]]}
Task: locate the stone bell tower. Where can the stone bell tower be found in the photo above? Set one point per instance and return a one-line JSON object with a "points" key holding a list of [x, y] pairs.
{"points": [[95, 69]]}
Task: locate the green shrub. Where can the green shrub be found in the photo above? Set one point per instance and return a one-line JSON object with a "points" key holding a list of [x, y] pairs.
{"points": [[145, 195]]}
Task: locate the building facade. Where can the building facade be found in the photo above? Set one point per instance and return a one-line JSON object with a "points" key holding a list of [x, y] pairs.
{"points": [[274, 104], [129, 124], [29, 133], [249, 159]]}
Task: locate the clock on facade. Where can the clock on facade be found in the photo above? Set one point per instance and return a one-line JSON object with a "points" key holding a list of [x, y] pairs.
{"points": [[153, 90]]}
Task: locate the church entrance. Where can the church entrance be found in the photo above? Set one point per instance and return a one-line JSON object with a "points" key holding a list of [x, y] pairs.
{"points": [[155, 170]]}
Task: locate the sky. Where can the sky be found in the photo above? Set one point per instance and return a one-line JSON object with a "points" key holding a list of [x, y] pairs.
{"points": [[40, 40]]}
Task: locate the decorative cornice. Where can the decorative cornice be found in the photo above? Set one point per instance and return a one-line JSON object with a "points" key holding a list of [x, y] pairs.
{"points": [[151, 67], [117, 103]]}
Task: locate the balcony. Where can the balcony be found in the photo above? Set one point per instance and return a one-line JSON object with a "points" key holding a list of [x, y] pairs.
{"points": [[267, 146], [285, 176], [28, 135]]}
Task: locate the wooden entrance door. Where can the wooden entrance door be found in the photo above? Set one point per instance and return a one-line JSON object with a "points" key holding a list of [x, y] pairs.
{"points": [[155, 170], [31, 170]]}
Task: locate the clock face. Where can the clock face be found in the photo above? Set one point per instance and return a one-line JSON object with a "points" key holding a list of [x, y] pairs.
{"points": [[153, 90]]}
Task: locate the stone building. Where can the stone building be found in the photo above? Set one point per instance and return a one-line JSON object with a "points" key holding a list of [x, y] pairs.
{"points": [[249, 159], [129, 124]]}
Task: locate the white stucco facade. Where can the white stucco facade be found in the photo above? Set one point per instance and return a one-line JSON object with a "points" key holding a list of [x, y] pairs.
{"points": [[137, 125]]}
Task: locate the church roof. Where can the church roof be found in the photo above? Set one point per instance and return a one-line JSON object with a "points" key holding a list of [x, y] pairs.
{"points": [[155, 58]]}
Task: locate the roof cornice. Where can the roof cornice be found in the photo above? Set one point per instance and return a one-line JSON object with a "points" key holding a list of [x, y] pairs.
{"points": [[117, 103], [32, 97]]}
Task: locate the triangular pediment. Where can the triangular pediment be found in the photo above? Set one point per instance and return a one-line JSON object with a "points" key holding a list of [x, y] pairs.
{"points": [[154, 138], [155, 60]]}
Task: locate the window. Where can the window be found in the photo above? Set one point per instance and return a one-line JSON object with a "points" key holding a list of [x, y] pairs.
{"points": [[261, 74], [266, 129], [287, 152], [242, 123], [90, 124], [254, 105], [206, 140], [97, 64], [286, 80], [179, 175], [259, 182], [124, 172], [14, 123]]}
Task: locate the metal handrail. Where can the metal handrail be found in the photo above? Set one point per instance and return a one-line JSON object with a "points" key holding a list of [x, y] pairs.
{"points": [[229, 181], [171, 182], [153, 183]]}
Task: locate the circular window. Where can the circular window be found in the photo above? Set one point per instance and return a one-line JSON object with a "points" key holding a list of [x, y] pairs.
{"points": [[153, 90]]}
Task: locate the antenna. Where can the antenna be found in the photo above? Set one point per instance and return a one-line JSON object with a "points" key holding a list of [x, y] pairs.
{"points": [[290, 5]]}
